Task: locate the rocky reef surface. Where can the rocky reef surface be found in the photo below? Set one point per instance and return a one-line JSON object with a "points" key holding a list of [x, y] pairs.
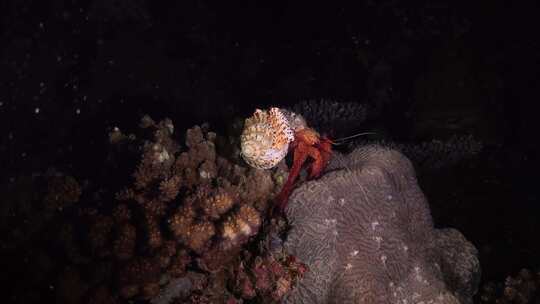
{"points": [[366, 234]]}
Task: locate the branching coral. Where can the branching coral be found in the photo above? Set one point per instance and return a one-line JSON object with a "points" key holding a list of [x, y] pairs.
{"points": [[31, 203], [435, 154], [186, 215], [139, 276], [343, 119], [337, 118], [188, 204], [267, 277], [63, 191]]}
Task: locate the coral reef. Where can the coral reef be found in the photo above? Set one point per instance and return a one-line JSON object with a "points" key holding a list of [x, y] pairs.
{"points": [[437, 154], [342, 119], [365, 232], [62, 192], [186, 228], [522, 288], [434, 154], [266, 277], [176, 231], [195, 210], [334, 118], [30, 203]]}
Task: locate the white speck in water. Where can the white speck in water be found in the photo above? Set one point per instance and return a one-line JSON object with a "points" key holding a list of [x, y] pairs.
{"points": [[354, 253], [374, 225], [36, 111], [78, 111], [348, 266]]}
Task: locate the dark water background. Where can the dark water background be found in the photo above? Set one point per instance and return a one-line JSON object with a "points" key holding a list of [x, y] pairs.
{"points": [[70, 71]]}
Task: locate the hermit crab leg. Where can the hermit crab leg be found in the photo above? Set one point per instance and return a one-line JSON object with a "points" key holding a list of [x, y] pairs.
{"points": [[321, 157], [299, 158]]}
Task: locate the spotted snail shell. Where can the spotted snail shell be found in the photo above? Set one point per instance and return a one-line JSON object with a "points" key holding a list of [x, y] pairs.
{"points": [[266, 137]]}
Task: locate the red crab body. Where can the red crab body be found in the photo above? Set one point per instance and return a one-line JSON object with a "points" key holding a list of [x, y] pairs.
{"points": [[307, 145]]}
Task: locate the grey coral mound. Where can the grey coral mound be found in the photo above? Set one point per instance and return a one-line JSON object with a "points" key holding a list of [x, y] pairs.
{"points": [[365, 231]]}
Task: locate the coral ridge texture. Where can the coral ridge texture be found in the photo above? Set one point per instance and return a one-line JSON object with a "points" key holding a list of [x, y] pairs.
{"points": [[366, 234]]}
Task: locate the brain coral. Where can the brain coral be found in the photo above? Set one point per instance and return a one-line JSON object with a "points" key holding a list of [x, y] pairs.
{"points": [[366, 234]]}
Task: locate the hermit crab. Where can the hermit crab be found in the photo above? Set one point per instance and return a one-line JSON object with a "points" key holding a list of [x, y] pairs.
{"points": [[269, 135]]}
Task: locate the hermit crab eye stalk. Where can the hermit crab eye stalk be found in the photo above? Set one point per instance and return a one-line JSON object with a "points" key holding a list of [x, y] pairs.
{"points": [[265, 138]]}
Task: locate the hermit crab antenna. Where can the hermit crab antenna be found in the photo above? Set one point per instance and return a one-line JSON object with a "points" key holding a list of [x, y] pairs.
{"points": [[340, 141]]}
